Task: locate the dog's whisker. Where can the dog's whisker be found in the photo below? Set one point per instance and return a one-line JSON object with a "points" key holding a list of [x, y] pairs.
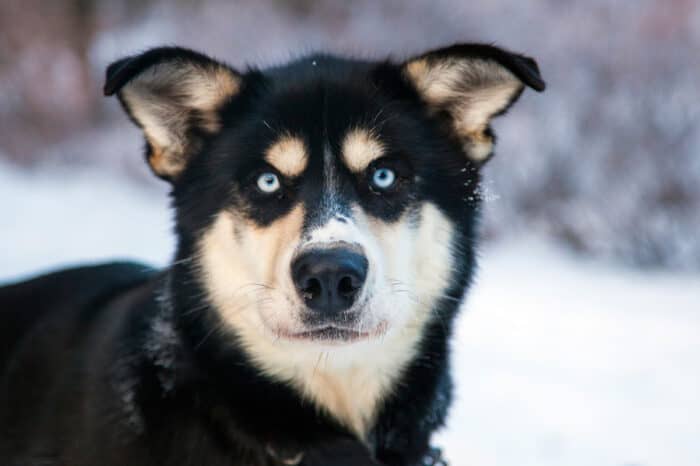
{"points": [[185, 260]]}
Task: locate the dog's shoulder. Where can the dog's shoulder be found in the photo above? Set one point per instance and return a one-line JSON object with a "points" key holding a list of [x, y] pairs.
{"points": [[56, 333]]}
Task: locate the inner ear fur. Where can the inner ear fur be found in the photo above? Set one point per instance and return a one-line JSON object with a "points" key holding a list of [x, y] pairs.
{"points": [[173, 95], [471, 84]]}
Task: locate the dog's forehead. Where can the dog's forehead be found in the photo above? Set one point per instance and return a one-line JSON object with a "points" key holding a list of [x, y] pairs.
{"points": [[322, 102], [321, 67]]}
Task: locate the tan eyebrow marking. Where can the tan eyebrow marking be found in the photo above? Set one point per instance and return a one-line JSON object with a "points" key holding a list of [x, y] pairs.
{"points": [[360, 148], [288, 155]]}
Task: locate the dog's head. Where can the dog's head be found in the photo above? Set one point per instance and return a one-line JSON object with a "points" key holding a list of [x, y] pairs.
{"points": [[328, 202]]}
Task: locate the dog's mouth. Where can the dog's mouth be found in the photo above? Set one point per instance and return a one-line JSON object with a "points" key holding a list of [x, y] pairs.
{"points": [[334, 334]]}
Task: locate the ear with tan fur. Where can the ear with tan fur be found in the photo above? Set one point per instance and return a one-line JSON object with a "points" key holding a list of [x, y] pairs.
{"points": [[472, 83], [173, 94]]}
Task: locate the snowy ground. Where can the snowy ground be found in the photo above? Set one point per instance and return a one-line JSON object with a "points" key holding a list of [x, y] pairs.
{"points": [[565, 363], [559, 362]]}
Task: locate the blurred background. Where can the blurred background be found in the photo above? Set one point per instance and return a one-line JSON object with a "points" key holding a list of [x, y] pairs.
{"points": [[580, 344]]}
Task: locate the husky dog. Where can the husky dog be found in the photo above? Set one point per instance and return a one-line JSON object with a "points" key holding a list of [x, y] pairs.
{"points": [[326, 214]]}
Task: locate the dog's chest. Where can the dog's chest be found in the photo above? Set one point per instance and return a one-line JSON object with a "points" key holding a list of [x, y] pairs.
{"points": [[350, 394]]}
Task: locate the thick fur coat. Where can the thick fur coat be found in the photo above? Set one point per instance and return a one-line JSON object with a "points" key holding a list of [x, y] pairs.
{"points": [[326, 214]]}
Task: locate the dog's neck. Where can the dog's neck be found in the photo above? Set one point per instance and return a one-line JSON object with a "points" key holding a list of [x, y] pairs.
{"points": [[349, 387]]}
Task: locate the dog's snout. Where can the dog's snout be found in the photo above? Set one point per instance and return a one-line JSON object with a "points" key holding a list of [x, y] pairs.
{"points": [[329, 280]]}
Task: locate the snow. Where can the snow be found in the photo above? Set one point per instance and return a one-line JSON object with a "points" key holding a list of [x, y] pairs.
{"points": [[52, 218], [565, 362], [558, 361]]}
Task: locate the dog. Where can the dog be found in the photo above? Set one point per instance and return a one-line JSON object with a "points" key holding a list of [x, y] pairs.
{"points": [[326, 216]]}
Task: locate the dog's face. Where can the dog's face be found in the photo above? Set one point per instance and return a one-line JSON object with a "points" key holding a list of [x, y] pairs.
{"points": [[328, 203]]}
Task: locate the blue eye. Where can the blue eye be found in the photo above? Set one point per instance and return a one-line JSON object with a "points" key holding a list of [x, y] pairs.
{"points": [[268, 182], [383, 178]]}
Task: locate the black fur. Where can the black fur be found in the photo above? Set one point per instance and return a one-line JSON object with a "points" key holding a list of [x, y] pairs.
{"points": [[109, 365]]}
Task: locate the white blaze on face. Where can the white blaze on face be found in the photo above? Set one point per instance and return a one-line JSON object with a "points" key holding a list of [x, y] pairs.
{"points": [[410, 264]]}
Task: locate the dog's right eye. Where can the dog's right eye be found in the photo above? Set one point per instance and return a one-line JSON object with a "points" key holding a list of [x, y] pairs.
{"points": [[268, 183], [383, 178]]}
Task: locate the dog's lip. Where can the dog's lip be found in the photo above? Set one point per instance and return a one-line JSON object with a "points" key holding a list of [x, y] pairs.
{"points": [[331, 332], [334, 334]]}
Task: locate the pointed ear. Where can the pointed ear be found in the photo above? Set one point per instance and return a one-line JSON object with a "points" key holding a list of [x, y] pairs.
{"points": [[471, 84], [174, 96]]}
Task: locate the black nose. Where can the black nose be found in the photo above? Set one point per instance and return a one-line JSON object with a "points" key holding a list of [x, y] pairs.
{"points": [[329, 280]]}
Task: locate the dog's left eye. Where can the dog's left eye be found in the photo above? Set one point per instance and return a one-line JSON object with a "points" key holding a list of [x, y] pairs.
{"points": [[268, 183], [383, 178]]}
